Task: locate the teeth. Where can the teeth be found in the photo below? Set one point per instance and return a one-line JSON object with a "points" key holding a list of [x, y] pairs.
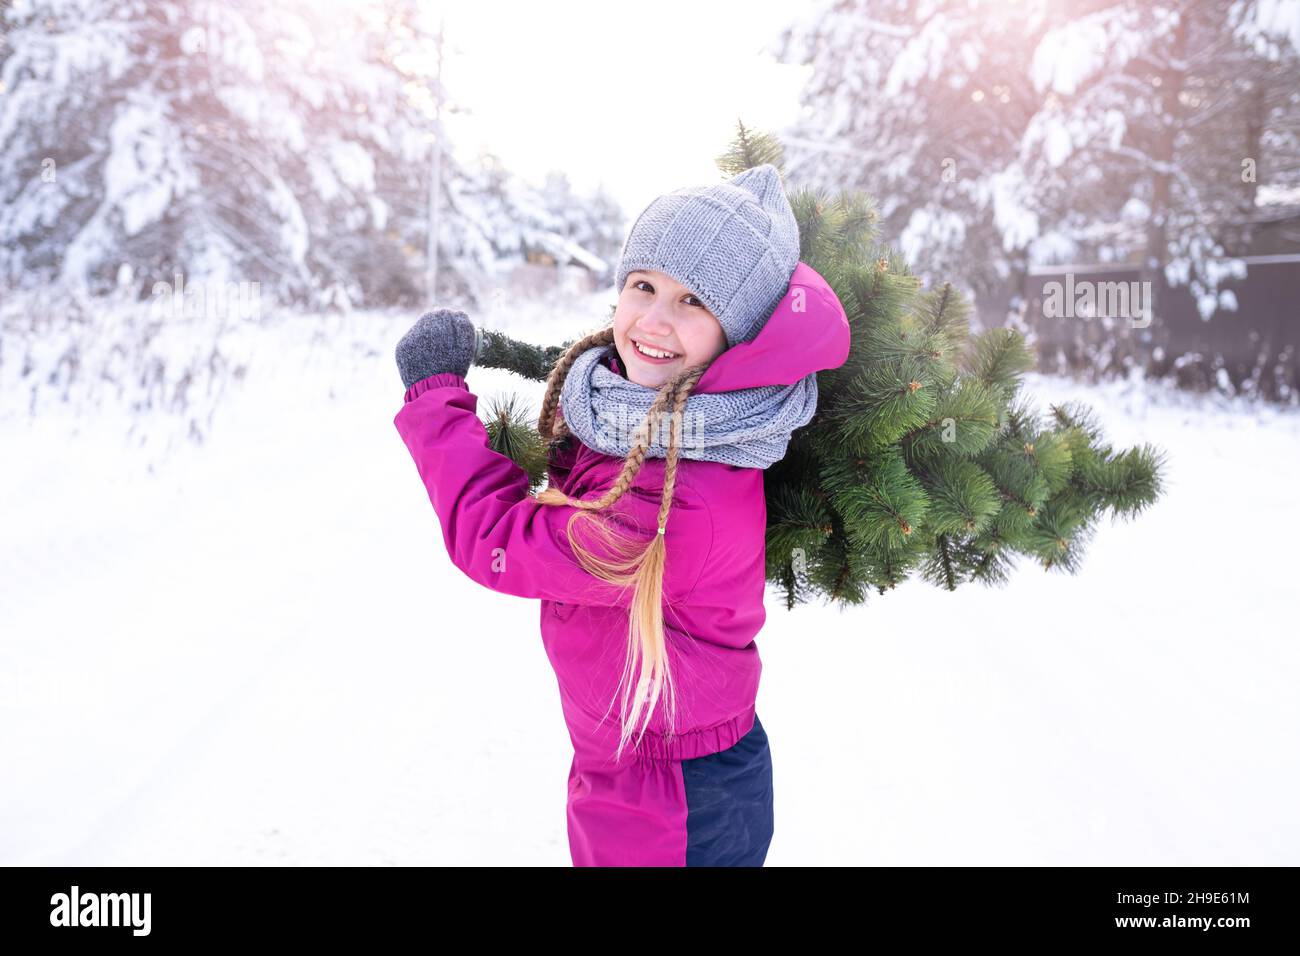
{"points": [[653, 353]]}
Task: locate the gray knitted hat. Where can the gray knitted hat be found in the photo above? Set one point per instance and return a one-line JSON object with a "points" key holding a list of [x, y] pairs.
{"points": [[734, 244]]}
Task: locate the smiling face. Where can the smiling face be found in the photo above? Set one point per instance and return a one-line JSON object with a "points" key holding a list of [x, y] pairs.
{"points": [[658, 313]]}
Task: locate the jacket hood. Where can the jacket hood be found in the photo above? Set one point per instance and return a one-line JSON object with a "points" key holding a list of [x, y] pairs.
{"points": [[807, 332]]}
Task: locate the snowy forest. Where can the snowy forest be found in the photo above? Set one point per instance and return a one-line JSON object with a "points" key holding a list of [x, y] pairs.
{"points": [[1006, 141], [217, 217], [232, 147], [247, 142]]}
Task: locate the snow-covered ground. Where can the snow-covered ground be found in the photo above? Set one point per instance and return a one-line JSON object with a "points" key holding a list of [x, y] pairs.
{"points": [[258, 653]]}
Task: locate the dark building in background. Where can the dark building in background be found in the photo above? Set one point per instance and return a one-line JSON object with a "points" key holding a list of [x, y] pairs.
{"points": [[1252, 350]]}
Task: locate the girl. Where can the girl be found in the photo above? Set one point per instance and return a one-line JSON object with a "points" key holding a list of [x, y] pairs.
{"points": [[647, 548]]}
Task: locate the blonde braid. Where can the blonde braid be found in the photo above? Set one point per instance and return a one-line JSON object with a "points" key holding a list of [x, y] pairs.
{"points": [[555, 381], [685, 384]]}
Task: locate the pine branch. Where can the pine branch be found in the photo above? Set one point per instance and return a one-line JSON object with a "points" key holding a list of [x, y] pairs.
{"points": [[1000, 357], [511, 433], [750, 148], [530, 361], [963, 498], [963, 424], [1126, 483], [947, 575]]}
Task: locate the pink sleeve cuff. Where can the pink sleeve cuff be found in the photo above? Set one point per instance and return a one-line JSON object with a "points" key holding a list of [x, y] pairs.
{"points": [[441, 380]]}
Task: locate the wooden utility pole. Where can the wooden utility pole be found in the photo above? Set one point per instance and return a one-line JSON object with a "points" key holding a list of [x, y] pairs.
{"points": [[435, 180]]}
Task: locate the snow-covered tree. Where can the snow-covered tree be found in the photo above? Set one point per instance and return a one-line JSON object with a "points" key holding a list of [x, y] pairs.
{"points": [[1000, 136], [501, 219], [596, 224], [212, 139], [238, 141], [921, 106], [1185, 106]]}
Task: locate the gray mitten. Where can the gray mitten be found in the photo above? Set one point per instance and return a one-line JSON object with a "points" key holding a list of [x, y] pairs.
{"points": [[444, 340]]}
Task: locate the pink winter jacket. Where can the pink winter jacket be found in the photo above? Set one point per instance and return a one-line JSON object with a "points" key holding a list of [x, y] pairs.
{"points": [[714, 572]]}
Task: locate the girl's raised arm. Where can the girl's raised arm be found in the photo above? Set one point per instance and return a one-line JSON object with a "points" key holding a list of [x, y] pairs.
{"points": [[502, 537]]}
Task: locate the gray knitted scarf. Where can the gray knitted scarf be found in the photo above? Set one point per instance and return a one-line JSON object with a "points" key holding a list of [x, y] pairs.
{"points": [[746, 427]]}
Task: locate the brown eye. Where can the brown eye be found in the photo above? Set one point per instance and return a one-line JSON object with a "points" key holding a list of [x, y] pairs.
{"points": [[697, 301], [640, 282]]}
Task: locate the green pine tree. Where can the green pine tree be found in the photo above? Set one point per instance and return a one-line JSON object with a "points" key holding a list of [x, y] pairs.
{"points": [[923, 457]]}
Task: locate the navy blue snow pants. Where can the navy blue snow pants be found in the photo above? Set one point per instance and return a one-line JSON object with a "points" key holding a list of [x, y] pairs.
{"points": [[729, 803]]}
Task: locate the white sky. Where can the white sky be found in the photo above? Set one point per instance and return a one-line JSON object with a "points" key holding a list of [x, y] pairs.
{"points": [[639, 98]]}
